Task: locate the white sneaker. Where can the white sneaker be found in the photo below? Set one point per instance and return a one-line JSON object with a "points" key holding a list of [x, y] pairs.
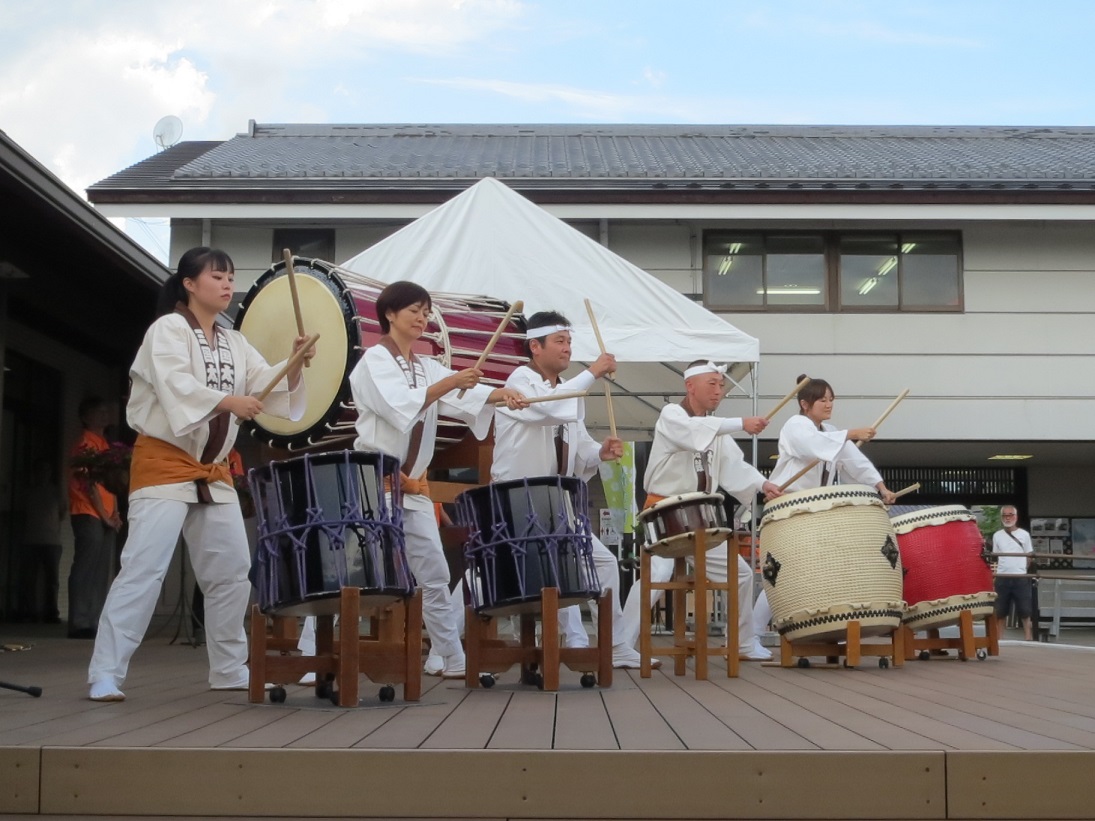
{"points": [[758, 652], [308, 679], [455, 666], [105, 691], [434, 665]]}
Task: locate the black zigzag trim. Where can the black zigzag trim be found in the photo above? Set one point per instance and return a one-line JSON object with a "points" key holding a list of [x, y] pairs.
{"points": [[859, 615], [848, 494], [951, 608]]}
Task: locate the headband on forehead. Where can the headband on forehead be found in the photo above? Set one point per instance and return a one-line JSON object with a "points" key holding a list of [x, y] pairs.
{"points": [[545, 330], [707, 367]]}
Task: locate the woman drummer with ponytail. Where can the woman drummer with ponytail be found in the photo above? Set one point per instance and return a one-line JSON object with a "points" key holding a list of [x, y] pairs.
{"points": [[189, 380], [810, 438]]}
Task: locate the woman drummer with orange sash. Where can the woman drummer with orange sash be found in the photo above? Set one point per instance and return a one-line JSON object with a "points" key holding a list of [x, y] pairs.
{"points": [[190, 379]]}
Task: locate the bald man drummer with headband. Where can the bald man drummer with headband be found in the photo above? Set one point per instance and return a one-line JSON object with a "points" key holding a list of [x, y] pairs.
{"points": [[694, 451]]}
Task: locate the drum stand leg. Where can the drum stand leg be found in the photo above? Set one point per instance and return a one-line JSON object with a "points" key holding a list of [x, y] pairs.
{"points": [[539, 663], [852, 648]]}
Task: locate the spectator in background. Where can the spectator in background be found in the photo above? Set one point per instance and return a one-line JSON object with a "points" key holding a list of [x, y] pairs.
{"points": [[93, 511], [1013, 584]]}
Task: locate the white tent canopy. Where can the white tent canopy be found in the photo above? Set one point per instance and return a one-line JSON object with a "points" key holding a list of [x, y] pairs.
{"points": [[489, 240]]}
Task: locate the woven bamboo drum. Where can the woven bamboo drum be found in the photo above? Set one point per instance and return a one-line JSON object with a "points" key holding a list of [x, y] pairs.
{"points": [[946, 572], [831, 557]]}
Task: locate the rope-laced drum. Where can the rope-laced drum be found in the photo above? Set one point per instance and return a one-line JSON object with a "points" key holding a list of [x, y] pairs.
{"points": [[830, 557], [946, 571], [328, 521], [340, 305]]}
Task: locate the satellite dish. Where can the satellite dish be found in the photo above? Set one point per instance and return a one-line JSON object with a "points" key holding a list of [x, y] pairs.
{"points": [[167, 131]]}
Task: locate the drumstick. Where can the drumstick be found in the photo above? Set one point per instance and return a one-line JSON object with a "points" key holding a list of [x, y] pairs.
{"points": [[291, 271], [516, 307], [858, 444], [559, 396], [298, 355], [608, 388], [909, 489], [805, 381]]}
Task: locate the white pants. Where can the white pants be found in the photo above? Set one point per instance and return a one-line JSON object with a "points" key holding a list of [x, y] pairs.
{"points": [[426, 559], [762, 613], [608, 576], [217, 543], [661, 570]]}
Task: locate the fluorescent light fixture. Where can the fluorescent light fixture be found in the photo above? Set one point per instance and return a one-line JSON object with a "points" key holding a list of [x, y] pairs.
{"points": [[734, 248], [1012, 457], [887, 266], [867, 286], [724, 266], [907, 247], [790, 290]]}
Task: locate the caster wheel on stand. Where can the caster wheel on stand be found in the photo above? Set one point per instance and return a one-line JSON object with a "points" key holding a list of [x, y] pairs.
{"points": [[924, 655], [883, 662], [982, 654], [588, 680], [486, 681], [387, 693], [277, 695], [804, 662]]}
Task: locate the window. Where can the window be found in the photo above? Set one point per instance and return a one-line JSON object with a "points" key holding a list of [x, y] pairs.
{"points": [[311, 243], [825, 271]]}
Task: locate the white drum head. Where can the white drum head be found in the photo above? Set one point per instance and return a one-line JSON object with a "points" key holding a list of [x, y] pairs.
{"points": [[270, 326]]}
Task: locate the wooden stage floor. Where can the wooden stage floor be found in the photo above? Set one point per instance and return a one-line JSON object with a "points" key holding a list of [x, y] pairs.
{"points": [[1008, 737]]}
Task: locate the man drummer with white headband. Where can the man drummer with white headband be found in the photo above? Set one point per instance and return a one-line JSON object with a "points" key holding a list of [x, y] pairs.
{"points": [[550, 438], [694, 451]]}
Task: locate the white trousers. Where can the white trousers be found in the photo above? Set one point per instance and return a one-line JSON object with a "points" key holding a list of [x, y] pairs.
{"points": [[762, 613], [217, 543], [608, 576], [661, 570], [426, 559]]}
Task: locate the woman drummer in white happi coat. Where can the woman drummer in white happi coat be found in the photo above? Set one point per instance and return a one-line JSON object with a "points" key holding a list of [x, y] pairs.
{"points": [[190, 379], [398, 397], [694, 451], [810, 437]]}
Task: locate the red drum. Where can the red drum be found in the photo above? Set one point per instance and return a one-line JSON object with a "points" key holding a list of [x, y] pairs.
{"points": [[340, 305], [670, 524], [946, 572]]}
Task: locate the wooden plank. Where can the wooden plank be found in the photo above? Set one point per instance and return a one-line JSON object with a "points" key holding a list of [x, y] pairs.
{"points": [[528, 722], [471, 724], [284, 728], [1053, 785], [692, 722], [582, 723], [635, 721], [20, 772]]}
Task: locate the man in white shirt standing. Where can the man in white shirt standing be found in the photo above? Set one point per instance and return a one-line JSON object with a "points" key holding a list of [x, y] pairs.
{"points": [[1012, 582]]}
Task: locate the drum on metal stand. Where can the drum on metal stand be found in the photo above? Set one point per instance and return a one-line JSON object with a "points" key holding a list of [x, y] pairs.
{"points": [[946, 570], [341, 306], [525, 535], [328, 521], [669, 524], [830, 557]]}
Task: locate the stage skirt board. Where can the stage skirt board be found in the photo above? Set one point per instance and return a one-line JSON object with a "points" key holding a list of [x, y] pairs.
{"points": [[1009, 737]]}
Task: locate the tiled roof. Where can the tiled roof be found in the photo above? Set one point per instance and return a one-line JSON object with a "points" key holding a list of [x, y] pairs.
{"points": [[322, 156]]}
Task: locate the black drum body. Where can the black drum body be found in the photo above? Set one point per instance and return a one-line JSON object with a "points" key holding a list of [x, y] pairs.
{"points": [[526, 535], [328, 521]]}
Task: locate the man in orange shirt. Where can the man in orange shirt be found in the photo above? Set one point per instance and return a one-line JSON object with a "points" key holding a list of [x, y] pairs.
{"points": [[93, 511]]}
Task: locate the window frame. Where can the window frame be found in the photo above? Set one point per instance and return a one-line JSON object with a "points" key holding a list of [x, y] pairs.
{"points": [[831, 242]]}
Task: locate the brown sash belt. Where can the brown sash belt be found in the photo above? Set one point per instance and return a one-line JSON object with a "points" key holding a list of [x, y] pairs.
{"points": [[156, 462]]}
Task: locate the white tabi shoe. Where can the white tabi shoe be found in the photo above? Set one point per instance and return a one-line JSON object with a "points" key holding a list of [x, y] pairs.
{"points": [[758, 652], [625, 657], [434, 665], [308, 679], [240, 684], [455, 666], [105, 691]]}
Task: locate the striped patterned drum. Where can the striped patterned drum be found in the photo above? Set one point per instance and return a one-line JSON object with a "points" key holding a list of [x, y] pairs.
{"points": [[831, 557], [946, 572]]}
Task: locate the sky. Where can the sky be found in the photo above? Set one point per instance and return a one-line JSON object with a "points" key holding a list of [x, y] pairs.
{"points": [[84, 82]]}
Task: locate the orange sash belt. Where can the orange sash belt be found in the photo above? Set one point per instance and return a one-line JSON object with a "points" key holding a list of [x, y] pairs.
{"points": [[652, 499], [409, 486], [156, 462]]}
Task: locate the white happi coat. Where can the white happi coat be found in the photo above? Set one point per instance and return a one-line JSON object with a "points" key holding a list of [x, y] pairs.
{"points": [[169, 399], [801, 442], [388, 409], [682, 441], [524, 443]]}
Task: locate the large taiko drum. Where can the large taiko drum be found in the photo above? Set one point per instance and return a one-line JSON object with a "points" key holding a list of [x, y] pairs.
{"points": [[340, 305], [946, 572], [328, 521], [525, 535], [830, 557], [671, 523]]}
